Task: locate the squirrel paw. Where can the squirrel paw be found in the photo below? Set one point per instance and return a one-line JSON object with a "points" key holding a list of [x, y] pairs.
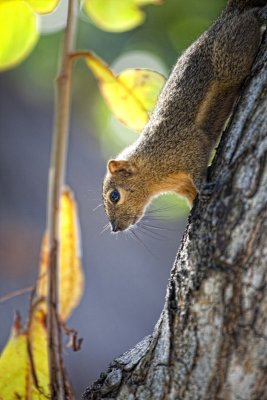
{"points": [[206, 189]]}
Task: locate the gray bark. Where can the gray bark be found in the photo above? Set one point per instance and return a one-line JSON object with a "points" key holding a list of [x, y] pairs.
{"points": [[211, 339]]}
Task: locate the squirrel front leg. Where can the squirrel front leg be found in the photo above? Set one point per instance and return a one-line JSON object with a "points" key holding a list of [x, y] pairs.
{"points": [[180, 182], [187, 171], [188, 190]]}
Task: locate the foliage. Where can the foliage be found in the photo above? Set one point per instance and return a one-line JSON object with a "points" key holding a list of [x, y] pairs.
{"points": [[28, 346], [23, 364], [131, 96], [19, 31], [116, 16], [70, 270]]}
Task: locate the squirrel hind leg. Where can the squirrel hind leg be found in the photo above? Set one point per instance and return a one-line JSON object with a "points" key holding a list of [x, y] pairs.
{"points": [[235, 48]]}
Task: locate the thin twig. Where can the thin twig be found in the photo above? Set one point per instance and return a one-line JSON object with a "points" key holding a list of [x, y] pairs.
{"points": [[20, 292], [75, 343], [33, 308], [80, 54], [16, 293], [58, 384]]}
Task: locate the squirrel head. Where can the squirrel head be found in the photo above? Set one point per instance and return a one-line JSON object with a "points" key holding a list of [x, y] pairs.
{"points": [[125, 195]]}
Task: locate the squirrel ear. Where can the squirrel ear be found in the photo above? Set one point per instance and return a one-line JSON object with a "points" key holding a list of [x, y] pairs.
{"points": [[119, 166]]}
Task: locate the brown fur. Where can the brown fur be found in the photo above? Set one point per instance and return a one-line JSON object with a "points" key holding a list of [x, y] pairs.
{"points": [[173, 150], [180, 183]]}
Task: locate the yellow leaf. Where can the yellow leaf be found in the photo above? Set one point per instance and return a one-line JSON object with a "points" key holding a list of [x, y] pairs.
{"points": [[70, 271], [17, 380], [18, 32], [14, 369], [116, 15], [43, 6], [71, 275], [39, 345], [144, 84], [146, 2], [131, 95]]}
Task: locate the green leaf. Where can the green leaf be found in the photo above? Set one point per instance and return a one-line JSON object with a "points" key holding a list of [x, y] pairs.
{"points": [[116, 15], [131, 95], [18, 32]]}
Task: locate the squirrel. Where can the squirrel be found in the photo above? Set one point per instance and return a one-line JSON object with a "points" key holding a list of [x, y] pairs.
{"points": [[173, 150]]}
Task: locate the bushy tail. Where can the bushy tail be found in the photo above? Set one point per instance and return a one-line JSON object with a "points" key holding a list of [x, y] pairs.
{"points": [[245, 4]]}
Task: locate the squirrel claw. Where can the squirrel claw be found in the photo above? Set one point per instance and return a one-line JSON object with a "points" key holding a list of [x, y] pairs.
{"points": [[206, 189]]}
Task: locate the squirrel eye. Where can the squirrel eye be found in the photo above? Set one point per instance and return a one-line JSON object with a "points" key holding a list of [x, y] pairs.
{"points": [[114, 196]]}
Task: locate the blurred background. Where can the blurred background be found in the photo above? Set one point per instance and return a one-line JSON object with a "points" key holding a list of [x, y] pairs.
{"points": [[125, 280]]}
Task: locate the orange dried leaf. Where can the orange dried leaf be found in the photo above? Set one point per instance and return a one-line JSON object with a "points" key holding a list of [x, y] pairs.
{"points": [[131, 95], [71, 278]]}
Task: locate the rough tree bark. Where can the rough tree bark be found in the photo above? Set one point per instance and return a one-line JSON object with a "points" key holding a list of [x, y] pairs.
{"points": [[211, 339]]}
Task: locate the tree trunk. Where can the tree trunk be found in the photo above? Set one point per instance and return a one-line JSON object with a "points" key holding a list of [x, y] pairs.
{"points": [[211, 339]]}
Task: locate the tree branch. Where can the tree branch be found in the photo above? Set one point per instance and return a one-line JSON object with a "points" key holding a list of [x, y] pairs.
{"points": [[210, 342], [59, 389]]}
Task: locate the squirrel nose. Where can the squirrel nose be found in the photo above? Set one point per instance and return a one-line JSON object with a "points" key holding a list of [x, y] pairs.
{"points": [[114, 225]]}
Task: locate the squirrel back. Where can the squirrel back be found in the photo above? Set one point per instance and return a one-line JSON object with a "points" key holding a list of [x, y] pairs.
{"points": [[173, 150]]}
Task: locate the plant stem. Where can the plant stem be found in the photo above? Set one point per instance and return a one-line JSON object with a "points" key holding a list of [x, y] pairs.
{"points": [[16, 293], [58, 384], [80, 54]]}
